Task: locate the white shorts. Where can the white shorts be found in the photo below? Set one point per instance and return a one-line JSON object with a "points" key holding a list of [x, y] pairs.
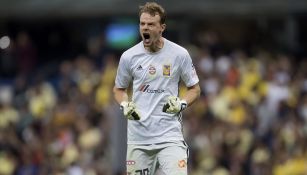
{"points": [[170, 158]]}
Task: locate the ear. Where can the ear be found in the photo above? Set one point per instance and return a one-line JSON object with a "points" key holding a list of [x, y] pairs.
{"points": [[163, 26]]}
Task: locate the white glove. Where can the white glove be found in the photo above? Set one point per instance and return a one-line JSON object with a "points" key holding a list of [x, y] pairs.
{"points": [[174, 105], [129, 110]]}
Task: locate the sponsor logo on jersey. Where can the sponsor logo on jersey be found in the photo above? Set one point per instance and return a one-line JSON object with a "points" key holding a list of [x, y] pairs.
{"points": [[130, 162], [167, 70], [182, 163], [145, 88], [152, 70]]}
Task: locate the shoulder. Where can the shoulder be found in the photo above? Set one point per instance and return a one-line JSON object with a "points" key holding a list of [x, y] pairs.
{"points": [[176, 48], [135, 50]]}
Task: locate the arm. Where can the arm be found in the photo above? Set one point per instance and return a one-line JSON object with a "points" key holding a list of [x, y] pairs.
{"points": [[120, 94], [123, 79], [192, 94], [128, 108], [175, 104], [190, 78]]}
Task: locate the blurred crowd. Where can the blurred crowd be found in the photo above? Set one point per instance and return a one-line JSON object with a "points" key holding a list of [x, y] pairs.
{"points": [[251, 118], [58, 124]]}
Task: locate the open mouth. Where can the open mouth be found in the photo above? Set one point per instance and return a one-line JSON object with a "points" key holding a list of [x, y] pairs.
{"points": [[146, 36]]}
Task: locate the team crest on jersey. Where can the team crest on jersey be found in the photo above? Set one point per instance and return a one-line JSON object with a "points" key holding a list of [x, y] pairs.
{"points": [[152, 70], [167, 70]]}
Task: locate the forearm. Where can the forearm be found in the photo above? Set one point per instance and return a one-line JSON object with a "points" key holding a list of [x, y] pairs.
{"points": [[128, 108], [192, 94], [120, 95]]}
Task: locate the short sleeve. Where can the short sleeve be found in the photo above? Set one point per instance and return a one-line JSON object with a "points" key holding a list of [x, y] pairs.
{"points": [[188, 72], [123, 76]]}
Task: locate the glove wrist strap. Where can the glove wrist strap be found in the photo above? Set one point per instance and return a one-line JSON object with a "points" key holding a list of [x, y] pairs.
{"points": [[184, 105]]}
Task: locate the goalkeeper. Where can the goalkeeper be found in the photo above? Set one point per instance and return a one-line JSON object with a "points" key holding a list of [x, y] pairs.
{"points": [[155, 66]]}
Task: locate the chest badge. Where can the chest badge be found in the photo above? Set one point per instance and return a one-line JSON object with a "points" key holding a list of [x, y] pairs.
{"points": [[152, 70], [167, 70]]}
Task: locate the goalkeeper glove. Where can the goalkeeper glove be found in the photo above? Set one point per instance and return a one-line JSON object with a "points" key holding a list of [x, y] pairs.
{"points": [[129, 110], [174, 105]]}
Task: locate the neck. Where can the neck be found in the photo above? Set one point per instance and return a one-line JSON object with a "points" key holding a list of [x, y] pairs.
{"points": [[156, 46]]}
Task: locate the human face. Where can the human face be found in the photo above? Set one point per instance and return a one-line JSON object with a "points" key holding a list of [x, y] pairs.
{"points": [[151, 31]]}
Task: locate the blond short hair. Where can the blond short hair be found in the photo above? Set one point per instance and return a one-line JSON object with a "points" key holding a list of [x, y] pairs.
{"points": [[153, 8]]}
